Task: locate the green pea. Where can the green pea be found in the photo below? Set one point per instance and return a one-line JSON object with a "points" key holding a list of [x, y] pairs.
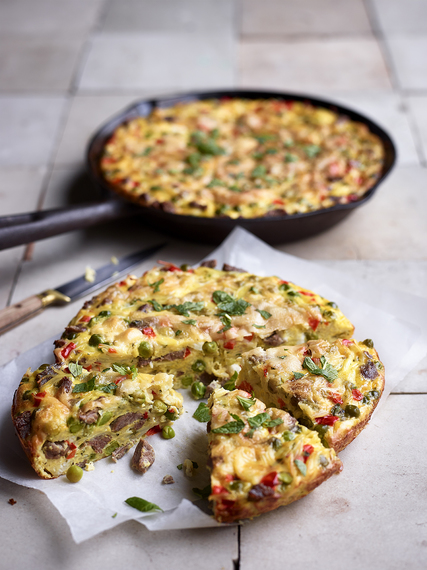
{"points": [[323, 461], [210, 347], [288, 435], [74, 474], [168, 432], [95, 340], [284, 287], [145, 349], [352, 411], [333, 305], [159, 407], [104, 314], [321, 430], [285, 478], [374, 394], [198, 366], [171, 415], [187, 380], [185, 267], [198, 390], [368, 342], [236, 486]]}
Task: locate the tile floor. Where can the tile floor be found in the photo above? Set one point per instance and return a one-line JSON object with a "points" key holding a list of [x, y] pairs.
{"points": [[65, 68]]}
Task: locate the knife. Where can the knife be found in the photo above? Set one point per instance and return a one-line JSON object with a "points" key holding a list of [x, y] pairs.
{"points": [[32, 306]]}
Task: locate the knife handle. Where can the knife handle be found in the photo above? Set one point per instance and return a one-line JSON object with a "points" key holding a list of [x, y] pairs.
{"points": [[19, 312]]}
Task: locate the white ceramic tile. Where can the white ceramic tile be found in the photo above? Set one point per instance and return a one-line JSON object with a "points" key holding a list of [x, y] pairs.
{"points": [[129, 545], [390, 226], [418, 109], [409, 60], [333, 64], [86, 114], [389, 111], [159, 60], [372, 515], [170, 15], [28, 126], [37, 63], [401, 16], [48, 17], [292, 17]]}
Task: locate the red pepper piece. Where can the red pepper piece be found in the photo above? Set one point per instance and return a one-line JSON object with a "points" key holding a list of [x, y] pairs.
{"points": [[289, 105], [270, 480], [229, 345], [308, 449], [119, 379], [160, 141], [85, 319], [225, 504], [286, 282], [218, 490], [187, 352], [122, 283], [71, 455], [352, 198], [249, 337], [229, 477], [88, 368], [357, 395], [148, 331], [154, 430], [281, 403], [306, 293], [65, 352], [335, 398], [278, 202], [38, 399], [67, 370], [314, 323], [246, 387], [327, 420], [112, 350]]}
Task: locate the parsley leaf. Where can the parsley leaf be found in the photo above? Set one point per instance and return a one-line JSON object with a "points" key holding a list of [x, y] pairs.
{"points": [[246, 403], [264, 314], [156, 285], [259, 171], [312, 150], [75, 369], [226, 321], [327, 370], [302, 467], [203, 493], [258, 420], [189, 322], [273, 423], [250, 433], [84, 386], [188, 306], [228, 304], [107, 388], [202, 414], [298, 375], [231, 384], [231, 427], [156, 306], [142, 505], [259, 326], [254, 290], [178, 332], [125, 370]]}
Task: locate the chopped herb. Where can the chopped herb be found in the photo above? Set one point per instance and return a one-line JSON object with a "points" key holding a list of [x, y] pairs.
{"points": [[156, 285], [298, 375], [107, 388], [202, 414], [259, 326], [206, 145], [178, 332], [228, 304], [231, 384], [226, 321], [188, 306], [283, 357], [179, 466], [106, 370], [264, 138], [290, 157], [258, 420], [156, 306], [142, 505], [189, 322], [84, 386], [312, 150], [327, 370], [75, 369], [125, 370], [215, 182], [273, 423], [254, 290], [264, 314], [203, 493], [246, 403], [231, 427], [302, 467], [154, 188], [114, 516], [250, 433], [259, 171]]}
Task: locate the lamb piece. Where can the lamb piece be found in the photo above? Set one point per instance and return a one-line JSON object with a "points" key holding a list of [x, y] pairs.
{"points": [[259, 492], [46, 374], [206, 378], [168, 480], [198, 206], [120, 452], [99, 442], [214, 385], [275, 212], [144, 457], [90, 417], [369, 371], [65, 385], [144, 308], [125, 420], [209, 263], [55, 449], [23, 424], [176, 355], [59, 343], [87, 304], [71, 329], [227, 267], [274, 339]]}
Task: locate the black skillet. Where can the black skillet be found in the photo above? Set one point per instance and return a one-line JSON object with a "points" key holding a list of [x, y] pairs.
{"points": [[24, 228]]}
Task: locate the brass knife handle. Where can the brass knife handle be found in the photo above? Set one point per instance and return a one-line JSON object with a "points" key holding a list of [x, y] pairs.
{"points": [[19, 312]]}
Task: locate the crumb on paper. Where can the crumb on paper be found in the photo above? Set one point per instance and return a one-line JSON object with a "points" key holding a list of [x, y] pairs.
{"points": [[114, 516], [168, 480], [115, 274], [114, 261], [90, 466], [188, 467], [12, 502], [90, 274]]}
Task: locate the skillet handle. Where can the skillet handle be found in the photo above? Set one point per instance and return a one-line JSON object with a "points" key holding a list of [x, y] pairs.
{"points": [[34, 226]]}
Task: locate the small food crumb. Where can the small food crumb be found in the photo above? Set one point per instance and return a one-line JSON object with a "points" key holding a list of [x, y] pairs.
{"points": [[114, 261], [188, 468], [90, 274], [168, 480], [114, 516], [90, 466], [12, 502]]}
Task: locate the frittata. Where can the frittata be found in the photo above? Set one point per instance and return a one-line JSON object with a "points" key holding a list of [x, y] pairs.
{"points": [[242, 158], [331, 388], [261, 459]]}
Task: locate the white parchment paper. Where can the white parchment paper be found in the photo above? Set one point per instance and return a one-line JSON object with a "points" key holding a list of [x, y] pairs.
{"points": [[96, 503]]}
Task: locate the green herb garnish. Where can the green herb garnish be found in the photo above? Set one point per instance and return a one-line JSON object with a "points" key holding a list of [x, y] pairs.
{"points": [[231, 384], [326, 370], [264, 314], [125, 370], [202, 414], [189, 322], [84, 386], [231, 427], [142, 505], [298, 375], [75, 369], [246, 403], [156, 285], [259, 326], [302, 467], [312, 150]]}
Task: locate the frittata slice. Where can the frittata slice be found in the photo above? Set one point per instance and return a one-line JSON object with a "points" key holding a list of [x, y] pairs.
{"points": [[260, 459], [66, 414], [331, 388]]}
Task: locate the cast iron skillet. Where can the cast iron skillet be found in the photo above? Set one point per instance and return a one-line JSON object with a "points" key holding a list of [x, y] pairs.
{"points": [[15, 230]]}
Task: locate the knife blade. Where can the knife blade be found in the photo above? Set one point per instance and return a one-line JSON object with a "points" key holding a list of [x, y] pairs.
{"points": [[32, 306]]}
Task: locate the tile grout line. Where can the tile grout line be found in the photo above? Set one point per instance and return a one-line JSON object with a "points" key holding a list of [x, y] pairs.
{"points": [[305, 37]]}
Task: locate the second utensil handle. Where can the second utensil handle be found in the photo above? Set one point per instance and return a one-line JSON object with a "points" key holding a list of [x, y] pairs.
{"points": [[20, 312]]}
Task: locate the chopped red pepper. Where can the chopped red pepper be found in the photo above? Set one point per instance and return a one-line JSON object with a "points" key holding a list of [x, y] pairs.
{"points": [[314, 323], [88, 368], [218, 490], [160, 141], [281, 403], [122, 283], [246, 387], [289, 105], [249, 337], [316, 360], [148, 331], [65, 352], [67, 370], [71, 455], [286, 282], [119, 379], [278, 202], [169, 266], [154, 430], [112, 350], [229, 345], [306, 293], [327, 420], [352, 198], [308, 449], [73, 448], [85, 319], [187, 352], [335, 398], [38, 399], [271, 479], [357, 395], [229, 477], [224, 504]]}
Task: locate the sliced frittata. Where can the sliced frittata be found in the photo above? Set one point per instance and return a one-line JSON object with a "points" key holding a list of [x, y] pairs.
{"points": [[67, 415], [261, 459], [331, 388]]}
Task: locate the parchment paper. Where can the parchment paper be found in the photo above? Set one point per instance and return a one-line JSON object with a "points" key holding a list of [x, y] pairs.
{"points": [[96, 503]]}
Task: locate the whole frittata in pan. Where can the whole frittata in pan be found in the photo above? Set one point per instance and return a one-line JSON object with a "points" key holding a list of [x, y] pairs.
{"points": [[242, 158]]}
